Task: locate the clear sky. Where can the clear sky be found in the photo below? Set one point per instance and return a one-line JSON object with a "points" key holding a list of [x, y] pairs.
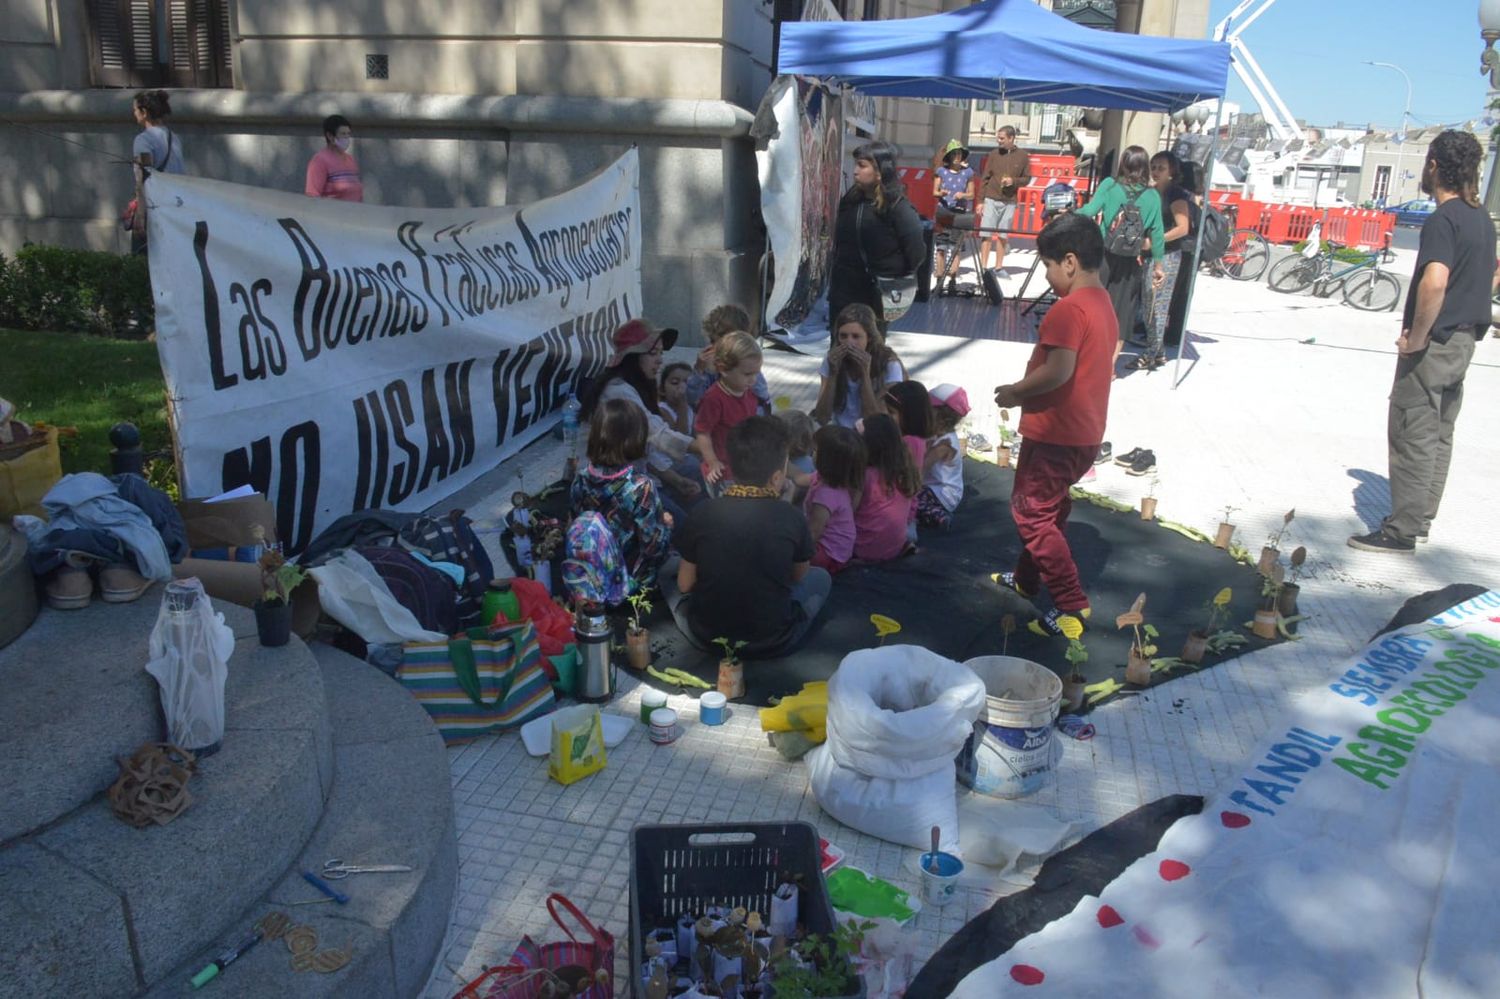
{"points": [[1313, 52]]}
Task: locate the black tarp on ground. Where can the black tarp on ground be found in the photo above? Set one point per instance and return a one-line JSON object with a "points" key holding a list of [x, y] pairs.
{"points": [[1083, 869], [944, 598]]}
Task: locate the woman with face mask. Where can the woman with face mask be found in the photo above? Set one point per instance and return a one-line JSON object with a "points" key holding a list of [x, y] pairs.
{"points": [[332, 172]]}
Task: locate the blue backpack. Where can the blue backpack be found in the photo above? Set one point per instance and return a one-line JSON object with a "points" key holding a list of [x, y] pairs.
{"points": [[593, 571]]}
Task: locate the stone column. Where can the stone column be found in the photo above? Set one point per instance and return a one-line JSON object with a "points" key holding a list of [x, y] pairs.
{"points": [[1162, 18]]}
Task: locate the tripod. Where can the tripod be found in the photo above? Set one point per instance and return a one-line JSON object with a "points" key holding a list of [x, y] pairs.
{"points": [[947, 281]]}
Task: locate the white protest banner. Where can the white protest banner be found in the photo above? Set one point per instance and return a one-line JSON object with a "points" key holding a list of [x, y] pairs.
{"points": [[1355, 855], [343, 357]]}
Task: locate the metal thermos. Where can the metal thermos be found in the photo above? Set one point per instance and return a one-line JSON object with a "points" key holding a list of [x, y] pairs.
{"points": [[592, 632]]}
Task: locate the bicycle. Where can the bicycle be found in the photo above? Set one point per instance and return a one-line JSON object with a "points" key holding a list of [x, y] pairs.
{"points": [[1247, 255], [1371, 289]]}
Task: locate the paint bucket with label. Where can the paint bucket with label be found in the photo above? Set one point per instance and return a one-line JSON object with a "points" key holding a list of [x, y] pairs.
{"points": [[663, 726], [651, 699], [1010, 752], [711, 707]]}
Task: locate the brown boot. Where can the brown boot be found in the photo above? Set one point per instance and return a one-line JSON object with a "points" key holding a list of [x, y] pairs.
{"points": [[120, 584], [69, 588]]}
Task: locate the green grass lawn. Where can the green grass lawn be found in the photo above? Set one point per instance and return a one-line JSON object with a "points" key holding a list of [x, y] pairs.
{"points": [[88, 382]]}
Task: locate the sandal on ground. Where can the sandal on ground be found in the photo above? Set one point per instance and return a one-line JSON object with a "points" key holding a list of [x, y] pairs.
{"points": [[1049, 625], [1008, 581]]}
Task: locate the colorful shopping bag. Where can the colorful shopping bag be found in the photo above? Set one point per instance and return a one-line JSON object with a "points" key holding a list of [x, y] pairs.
{"points": [[483, 680], [580, 961]]}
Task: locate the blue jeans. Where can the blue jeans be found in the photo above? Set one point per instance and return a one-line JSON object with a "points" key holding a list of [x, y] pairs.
{"points": [[808, 594]]}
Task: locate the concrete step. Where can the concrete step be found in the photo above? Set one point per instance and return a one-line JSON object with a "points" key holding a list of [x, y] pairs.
{"points": [[392, 803], [91, 906]]}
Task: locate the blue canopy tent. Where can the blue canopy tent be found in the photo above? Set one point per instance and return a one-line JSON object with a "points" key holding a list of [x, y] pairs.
{"points": [[1011, 50], [1006, 50]]}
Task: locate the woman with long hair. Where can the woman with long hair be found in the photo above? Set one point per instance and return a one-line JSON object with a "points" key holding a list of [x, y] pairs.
{"points": [[857, 369], [877, 231], [1122, 271], [155, 148], [1166, 178]]}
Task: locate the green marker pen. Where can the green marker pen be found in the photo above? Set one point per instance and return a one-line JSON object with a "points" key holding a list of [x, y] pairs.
{"points": [[224, 960]]}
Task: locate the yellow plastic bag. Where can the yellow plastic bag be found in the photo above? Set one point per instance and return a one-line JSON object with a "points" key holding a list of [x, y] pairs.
{"points": [[805, 711], [27, 472], [577, 744]]}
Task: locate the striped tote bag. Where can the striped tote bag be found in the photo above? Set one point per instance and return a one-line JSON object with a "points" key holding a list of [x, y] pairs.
{"points": [[479, 681]]}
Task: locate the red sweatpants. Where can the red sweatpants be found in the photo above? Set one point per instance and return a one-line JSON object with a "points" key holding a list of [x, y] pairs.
{"points": [[1040, 505]]}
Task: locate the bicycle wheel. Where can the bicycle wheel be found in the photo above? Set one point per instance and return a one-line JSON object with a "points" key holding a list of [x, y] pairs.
{"points": [[1373, 291], [1292, 274], [1247, 256]]}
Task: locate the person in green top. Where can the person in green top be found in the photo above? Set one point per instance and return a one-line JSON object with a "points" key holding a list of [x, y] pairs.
{"points": [[1121, 273]]}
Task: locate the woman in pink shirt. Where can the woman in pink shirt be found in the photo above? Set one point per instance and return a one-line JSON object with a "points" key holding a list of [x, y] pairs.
{"points": [[332, 172]]}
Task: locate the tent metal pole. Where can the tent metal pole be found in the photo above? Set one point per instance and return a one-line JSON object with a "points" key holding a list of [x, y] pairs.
{"points": [[1187, 306]]}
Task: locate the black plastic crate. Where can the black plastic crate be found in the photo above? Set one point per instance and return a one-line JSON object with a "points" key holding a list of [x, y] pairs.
{"points": [[686, 868]]}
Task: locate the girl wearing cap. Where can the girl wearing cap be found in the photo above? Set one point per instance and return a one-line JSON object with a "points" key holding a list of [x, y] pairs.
{"points": [[953, 186], [943, 466], [631, 377], [877, 231]]}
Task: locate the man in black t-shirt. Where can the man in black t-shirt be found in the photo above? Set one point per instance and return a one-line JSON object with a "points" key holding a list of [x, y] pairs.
{"points": [[1447, 310], [744, 573]]}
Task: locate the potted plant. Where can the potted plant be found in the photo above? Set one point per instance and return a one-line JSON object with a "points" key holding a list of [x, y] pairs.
{"points": [[1142, 647], [1270, 553], [1074, 684], [637, 638], [273, 611], [1148, 501], [731, 670], [1286, 603], [819, 966], [1266, 618], [1196, 645], [1226, 529], [1007, 437]]}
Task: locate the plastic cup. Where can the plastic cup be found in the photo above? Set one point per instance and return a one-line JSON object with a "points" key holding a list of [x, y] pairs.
{"points": [[711, 707], [939, 886], [651, 699]]}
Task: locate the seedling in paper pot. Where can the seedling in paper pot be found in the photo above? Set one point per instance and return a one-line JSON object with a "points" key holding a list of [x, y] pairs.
{"points": [[640, 606], [1199, 639], [1138, 669], [731, 649], [1074, 683]]}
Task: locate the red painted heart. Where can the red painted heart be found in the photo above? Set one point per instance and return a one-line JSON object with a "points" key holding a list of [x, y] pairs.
{"points": [[1234, 820], [1026, 974], [1109, 917], [1171, 870]]}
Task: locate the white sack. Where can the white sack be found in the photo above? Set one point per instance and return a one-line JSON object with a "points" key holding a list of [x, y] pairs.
{"points": [[897, 716], [190, 647], [353, 594]]}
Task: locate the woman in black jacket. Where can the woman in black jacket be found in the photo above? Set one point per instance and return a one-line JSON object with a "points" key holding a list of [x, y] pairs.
{"points": [[877, 231]]}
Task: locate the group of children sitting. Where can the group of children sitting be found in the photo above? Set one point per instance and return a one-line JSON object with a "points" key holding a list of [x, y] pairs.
{"points": [[763, 508]]}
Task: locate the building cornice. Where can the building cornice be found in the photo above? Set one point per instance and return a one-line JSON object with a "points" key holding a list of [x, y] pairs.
{"points": [[408, 111]]}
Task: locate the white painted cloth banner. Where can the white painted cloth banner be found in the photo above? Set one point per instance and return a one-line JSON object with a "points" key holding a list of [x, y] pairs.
{"points": [[343, 357], [1356, 855]]}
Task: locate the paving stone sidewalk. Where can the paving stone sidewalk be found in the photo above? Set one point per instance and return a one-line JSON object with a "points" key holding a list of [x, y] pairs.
{"points": [[1285, 408]]}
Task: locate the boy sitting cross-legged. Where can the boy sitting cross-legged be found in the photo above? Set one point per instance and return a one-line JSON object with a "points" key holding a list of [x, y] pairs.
{"points": [[744, 572], [1064, 399]]}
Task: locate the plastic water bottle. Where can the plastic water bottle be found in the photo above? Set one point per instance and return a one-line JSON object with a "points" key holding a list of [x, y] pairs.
{"points": [[570, 427]]}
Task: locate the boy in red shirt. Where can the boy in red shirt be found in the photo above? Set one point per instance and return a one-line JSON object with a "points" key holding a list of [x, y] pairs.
{"points": [[1064, 398]]}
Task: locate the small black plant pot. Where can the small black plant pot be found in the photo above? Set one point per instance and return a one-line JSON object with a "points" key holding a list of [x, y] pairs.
{"points": [[273, 621]]}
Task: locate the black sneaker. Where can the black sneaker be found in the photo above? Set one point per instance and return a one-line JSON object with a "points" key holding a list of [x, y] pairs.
{"points": [[1105, 453], [1383, 541], [1144, 464], [1128, 458]]}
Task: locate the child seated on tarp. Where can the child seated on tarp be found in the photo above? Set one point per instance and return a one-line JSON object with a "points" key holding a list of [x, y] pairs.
{"points": [[799, 466], [612, 486], [745, 571], [722, 320], [943, 465]]}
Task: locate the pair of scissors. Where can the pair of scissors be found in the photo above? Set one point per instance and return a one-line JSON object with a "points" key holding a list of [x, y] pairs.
{"points": [[337, 870]]}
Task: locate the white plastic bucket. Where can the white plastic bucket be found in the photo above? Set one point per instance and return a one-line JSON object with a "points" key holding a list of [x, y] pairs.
{"points": [[1009, 754]]}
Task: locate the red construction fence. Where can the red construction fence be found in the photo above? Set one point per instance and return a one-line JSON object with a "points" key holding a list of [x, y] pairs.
{"points": [[1366, 228]]}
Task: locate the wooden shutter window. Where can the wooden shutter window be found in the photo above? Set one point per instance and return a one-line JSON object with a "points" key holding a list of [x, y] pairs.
{"points": [[123, 51]]}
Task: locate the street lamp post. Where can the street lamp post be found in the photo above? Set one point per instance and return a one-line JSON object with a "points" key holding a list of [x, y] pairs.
{"points": [[1489, 64], [1405, 114]]}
